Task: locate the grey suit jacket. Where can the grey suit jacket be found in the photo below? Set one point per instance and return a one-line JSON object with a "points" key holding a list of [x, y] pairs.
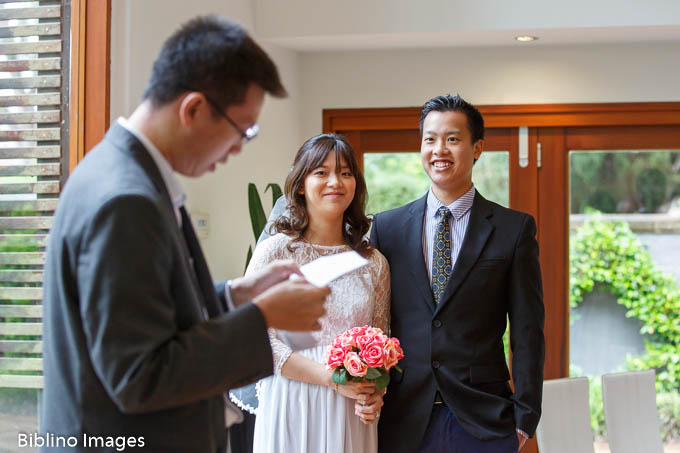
{"points": [[127, 348]]}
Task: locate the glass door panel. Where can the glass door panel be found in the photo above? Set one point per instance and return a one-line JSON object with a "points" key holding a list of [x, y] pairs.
{"points": [[394, 179], [624, 292]]}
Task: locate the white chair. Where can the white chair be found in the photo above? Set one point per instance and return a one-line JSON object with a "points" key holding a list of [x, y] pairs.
{"points": [[630, 412], [565, 420]]}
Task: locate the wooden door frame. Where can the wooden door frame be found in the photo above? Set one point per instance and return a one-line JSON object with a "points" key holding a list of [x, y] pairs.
{"points": [[89, 89], [531, 115], [552, 200]]}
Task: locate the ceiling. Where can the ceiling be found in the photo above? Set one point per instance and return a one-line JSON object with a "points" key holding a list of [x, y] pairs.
{"points": [[481, 38]]}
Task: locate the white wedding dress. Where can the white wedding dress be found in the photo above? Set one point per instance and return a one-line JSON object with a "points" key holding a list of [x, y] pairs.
{"points": [[295, 417]]}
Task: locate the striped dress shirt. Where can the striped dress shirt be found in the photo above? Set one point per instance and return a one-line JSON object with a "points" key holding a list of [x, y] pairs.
{"points": [[460, 210]]}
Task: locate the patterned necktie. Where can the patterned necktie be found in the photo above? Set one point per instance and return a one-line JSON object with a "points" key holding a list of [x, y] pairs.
{"points": [[441, 254]]}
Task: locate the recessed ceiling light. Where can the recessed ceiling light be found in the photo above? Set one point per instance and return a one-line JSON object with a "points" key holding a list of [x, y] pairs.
{"points": [[526, 38]]}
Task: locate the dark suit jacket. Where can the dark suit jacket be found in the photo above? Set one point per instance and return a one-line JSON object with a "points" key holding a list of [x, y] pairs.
{"points": [[127, 349], [456, 347]]}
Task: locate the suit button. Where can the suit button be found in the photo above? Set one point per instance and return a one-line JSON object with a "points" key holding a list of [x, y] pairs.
{"points": [[437, 323], [435, 364]]}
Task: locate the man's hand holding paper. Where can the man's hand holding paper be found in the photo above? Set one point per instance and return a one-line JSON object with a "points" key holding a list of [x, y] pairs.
{"points": [[324, 270], [320, 273]]}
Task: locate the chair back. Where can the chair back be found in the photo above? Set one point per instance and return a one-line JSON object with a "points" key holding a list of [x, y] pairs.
{"points": [[565, 420], [630, 412]]}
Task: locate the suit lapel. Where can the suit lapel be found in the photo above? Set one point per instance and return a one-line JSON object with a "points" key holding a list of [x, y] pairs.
{"points": [[478, 231], [413, 240]]}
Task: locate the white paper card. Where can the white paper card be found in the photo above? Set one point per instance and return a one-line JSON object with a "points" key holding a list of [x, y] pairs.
{"points": [[324, 270]]}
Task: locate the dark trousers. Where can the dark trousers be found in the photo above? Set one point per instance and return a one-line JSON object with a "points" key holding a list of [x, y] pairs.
{"points": [[445, 435], [241, 435]]}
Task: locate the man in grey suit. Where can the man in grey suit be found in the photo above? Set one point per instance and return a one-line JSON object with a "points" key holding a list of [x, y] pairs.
{"points": [[139, 347]]}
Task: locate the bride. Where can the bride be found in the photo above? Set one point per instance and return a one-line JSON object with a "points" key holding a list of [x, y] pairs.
{"points": [[300, 409]]}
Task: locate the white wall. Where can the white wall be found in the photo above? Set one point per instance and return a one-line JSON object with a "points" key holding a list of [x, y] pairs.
{"points": [[486, 75], [139, 29], [518, 75]]}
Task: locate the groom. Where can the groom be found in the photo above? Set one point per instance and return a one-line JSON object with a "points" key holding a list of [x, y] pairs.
{"points": [[460, 266]]}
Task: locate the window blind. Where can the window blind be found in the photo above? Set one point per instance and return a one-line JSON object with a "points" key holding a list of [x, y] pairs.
{"points": [[34, 39]]}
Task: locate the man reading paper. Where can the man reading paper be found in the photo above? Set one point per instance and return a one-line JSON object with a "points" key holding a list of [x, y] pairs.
{"points": [[137, 342]]}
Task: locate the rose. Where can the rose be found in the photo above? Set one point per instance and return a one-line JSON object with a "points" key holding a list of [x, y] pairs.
{"points": [[393, 353], [380, 339], [364, 340], [337, 343], [354, 365], [347, 341], [373, 331], [357, 331], [335, 357], [373, 354]]}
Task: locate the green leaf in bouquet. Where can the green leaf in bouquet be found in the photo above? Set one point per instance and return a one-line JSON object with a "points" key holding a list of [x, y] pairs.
{"points": [[339, 376], [382, 382], [372, 374], [396, 367]]}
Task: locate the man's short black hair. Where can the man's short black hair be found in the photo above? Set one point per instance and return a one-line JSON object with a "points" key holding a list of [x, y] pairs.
{"points": [[215, 56], [456, 103]]}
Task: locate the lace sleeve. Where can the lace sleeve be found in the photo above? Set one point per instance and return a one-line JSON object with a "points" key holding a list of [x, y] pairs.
{"points": [[381, 277], [267, 251]]}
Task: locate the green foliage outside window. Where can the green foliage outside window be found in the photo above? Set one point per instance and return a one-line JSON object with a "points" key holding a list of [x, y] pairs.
{"points": [[15, 242], [626, 181], [609, 254], [394, 179]]}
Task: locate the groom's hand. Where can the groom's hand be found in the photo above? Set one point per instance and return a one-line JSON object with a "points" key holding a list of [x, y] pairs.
{"points": [[249, 287]]}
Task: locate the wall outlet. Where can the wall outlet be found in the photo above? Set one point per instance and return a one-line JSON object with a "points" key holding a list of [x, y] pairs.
{"points": [[201, 224]]}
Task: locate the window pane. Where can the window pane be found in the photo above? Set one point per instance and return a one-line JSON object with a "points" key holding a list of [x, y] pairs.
{"points": [[18, 414], [394, 179], [624, 269], [491, 175]]}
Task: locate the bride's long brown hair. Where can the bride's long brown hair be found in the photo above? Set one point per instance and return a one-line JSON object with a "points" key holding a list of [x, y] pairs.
{"points": [[311, 155]]}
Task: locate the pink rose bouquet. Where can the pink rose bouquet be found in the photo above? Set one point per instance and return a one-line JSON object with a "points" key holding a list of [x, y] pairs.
{"points": [[363, 353]]}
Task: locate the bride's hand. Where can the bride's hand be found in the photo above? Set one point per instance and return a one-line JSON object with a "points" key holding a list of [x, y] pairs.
{"points": [[356, 390], [368, 410]]}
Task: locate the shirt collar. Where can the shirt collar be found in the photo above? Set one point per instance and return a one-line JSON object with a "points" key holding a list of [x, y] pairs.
{"points": [[458, 208], [177, 194]]}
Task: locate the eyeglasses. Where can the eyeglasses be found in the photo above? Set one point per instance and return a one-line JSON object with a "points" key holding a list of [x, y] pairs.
{"points": [[247, 135]]}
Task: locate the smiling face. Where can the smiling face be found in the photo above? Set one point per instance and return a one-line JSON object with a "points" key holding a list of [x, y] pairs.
{"points": [[448, 153], [329, 188]]}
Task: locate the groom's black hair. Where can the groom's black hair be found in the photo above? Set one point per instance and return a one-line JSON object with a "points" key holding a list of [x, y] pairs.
{"points": [[449, 103], [215, 56]]}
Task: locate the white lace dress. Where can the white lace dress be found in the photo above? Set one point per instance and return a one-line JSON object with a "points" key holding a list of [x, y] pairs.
{"points": [[296, 417]]}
